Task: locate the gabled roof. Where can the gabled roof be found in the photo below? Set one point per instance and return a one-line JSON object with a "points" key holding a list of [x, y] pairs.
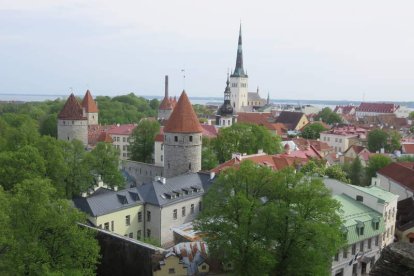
{"points": [[183, 119], [378, 107], [401, 173], [72, 110], [175, 189], [357, 149], [254, 96], [89, 104], [125, 129], [289, 118], [408, 148], [104, 137], [320, 146]]}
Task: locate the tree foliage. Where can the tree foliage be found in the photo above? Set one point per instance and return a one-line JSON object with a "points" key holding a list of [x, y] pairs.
{"points": [[245, 138], [43, 235], [208, 154], [268, 222], [356, 172], [143, 138], [379, 139], [326, 115], [312, 131], [375, 163], [318, 168]]}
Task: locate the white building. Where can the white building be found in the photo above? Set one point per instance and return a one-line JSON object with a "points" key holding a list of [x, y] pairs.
{"points": [[121, 135], [341, 138]]}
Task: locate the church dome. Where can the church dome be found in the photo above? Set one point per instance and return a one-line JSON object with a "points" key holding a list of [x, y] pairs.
{"points": [[225, 109]]}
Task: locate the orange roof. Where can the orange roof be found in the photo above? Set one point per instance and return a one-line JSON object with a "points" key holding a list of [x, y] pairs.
{"points": [[89, 104], [165, 104], [183, 119], [408, 148], [72, 110], [105, 137]]}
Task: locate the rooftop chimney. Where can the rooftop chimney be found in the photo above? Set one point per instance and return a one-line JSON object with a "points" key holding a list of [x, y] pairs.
{"points": [[166, 86]]}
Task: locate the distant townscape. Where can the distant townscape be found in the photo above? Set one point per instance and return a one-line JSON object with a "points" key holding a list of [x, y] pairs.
{"points": [[131, 186]]}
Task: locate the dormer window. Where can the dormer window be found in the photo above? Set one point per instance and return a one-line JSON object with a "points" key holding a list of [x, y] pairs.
{"points": [[359, 198], [360, 228], [375, 223]]}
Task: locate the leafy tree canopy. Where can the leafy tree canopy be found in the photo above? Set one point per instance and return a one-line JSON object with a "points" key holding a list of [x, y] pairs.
{"points": [[268, 222], [379, 139], [143, 137], [376, 162], [313, 131], [328, 116]]}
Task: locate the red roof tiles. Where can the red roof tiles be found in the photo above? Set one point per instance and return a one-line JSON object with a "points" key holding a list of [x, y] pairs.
{"points": [[89, 104], [378, 107], [400, 172], [408, 148], [183, 119], [72, 110], [126, 129]]}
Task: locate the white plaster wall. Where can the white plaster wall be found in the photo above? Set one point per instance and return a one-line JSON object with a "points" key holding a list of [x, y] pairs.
{"points": [[393, 187], [238, 93]]}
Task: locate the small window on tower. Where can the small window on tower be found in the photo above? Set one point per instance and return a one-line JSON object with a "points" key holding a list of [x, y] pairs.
{"points": [[189, 166], [175, 138], [190, 138]]}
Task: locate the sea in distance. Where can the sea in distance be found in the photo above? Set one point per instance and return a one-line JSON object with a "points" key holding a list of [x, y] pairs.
{"points": [[8, 97]]}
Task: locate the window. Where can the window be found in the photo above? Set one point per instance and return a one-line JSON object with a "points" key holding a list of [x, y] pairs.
{"points": [[162, 146], [376, 225], [168, 165], [124, 139], [203, 267], [369, 243], [199, 206], [175, 138], [117, 139], [131, 235], [336, 257], [127, 220], [112, 226], [192, 209], [124, 147], [175, 214], [148, 216], [148, 233], [354, 269], [139, 216], [354, 249], [73, 122], [138, 234], [359, 198], [190, 138], [171, 271], [377, 240], [162, 158], [183, 211], [345, 253], [361, 246], [106, 226], [189, 166]]}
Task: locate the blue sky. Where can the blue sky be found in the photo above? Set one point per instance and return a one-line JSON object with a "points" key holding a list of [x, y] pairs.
{"points": [[336, 50]]}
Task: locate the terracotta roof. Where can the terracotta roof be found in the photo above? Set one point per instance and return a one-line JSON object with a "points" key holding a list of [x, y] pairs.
{"points": [[183, 119], [400, 172], [408, 148], [105, 137], [301, 143], [166, 104], [378, 107], [89, 104], [261, 119], [72, 110], [126, 129], [289, 118], [357, 149], [159, 137], [209, 131]]}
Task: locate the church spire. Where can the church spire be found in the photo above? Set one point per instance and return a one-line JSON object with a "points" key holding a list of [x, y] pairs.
{"points": [[238, 70]]}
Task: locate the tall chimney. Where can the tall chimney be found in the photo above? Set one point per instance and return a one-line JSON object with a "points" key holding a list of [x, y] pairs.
{"points": [[166, 86]]}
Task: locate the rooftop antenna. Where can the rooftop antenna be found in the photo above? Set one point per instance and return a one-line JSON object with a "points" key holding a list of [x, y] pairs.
{"points": [[183, 72]]}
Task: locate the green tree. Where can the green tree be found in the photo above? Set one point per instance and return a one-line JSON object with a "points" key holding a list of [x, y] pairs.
{"points": [[328, 116], [313, 131], [375, 163], [268, 222], [406, 158], [48, 125], [356, 172], [104, 161], [411, 115], [319, 168], [143, 138], [245, 138], [208, 155], [394, 139], [377, 139], [46, 238]]}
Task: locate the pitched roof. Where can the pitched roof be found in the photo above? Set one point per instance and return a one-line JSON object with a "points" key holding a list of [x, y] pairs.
{"points": [[166, 104], [183, 119], [104, 137], [289, 118], [320, 146], [378, 107], [253, 96], [89, 104], [210, 131], [72, 110], [345, 109], [261, 119], [125, 129], [408, 148], [400, 172], [357, 149]]}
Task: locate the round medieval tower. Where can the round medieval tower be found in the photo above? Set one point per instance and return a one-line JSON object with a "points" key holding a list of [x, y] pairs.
{"points": [[182, 140]]}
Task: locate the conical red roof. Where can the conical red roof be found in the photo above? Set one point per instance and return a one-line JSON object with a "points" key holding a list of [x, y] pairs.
{"points": [[165, 104], [72, 110], [183, 119], [89, 104]]}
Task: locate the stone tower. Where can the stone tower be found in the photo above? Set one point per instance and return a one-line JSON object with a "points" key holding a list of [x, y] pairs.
{"points": [[225, 114], [72, 122], [239, 81], [167, 105], [91, 108], [182, 140]]}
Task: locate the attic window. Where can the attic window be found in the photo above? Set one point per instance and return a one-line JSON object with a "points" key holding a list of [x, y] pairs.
{"points": [[360, 228], [186, 190], [122, 199], [375, 223], [195, 188], [167, 195], [360, 198]]}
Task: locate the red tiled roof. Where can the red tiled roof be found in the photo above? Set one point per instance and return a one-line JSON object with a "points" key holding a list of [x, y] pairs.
{"points": [[378, 107], [89, 104], [301, 143], [183, 119], [357, 149], [400, 172], [209, 131], [261, 119], [126, 129], [159, 137], [105, 137], [408, 148], [166, 104], [72, 110]]}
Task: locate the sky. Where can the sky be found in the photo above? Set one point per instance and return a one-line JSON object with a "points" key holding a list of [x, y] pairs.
{"points": [[299, 49]]}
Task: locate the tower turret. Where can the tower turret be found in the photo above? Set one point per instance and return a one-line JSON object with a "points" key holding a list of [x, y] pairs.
{"points": [[91, 108], [182, 140], [225, 114], [167, 105]]}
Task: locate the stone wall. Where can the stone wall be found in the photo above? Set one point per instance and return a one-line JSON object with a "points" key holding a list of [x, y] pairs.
{"points": [[182, 153], [92, 118], [69, 130], [142, 172], [396, 259]]}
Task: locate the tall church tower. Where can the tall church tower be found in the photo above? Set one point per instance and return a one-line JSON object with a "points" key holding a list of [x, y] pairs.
{"points": [[182, 140], [239, 81]]}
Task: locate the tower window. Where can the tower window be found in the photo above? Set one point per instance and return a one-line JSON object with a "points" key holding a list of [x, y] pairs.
{"points": [[189, 166], [175, 138], [191, 138]]}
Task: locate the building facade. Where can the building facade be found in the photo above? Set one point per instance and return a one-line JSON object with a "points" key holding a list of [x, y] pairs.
{"points": [[225, 114], [341, 138]]}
